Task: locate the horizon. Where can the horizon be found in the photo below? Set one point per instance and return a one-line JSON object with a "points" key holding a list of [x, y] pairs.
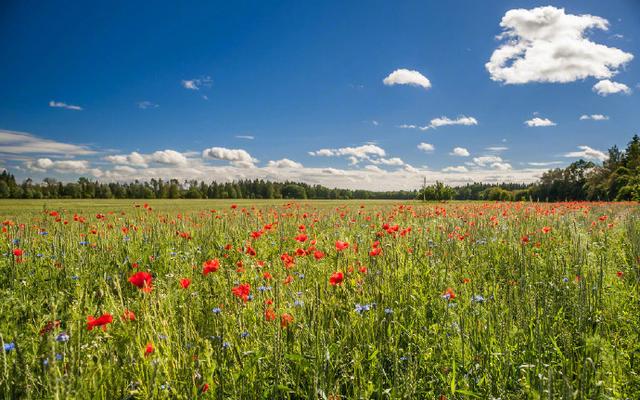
{"points": [[371, 96]]}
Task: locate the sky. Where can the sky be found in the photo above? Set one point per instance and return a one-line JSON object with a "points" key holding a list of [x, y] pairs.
{"points": [[354, 94]]}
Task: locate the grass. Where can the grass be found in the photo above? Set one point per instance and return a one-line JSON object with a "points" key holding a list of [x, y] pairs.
{"points": [[543, 300]]}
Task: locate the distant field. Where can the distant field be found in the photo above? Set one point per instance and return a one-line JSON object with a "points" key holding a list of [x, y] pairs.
{"points": [[244, 299]]}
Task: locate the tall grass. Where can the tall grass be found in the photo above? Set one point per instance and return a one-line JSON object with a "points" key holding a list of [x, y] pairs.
{"points": [[544, 301]]}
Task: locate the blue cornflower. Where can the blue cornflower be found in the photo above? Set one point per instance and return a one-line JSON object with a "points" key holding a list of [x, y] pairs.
{"points": [[217, 310], [478, 298], [565, 280], [59, 357], [62, 337], [298, 303], [244, 334], [84, 243], [388, 311], [43, 233], [9, 346], [226, 345]]}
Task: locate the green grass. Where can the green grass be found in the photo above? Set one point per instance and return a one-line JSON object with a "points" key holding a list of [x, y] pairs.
{"points": [[553, 316]]}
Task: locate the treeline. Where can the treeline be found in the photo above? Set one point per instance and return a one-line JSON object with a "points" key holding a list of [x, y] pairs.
{"points": [[174, 189], [617, 178]]}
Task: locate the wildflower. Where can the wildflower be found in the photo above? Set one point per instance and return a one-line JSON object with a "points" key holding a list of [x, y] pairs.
{"points": [[376, 251], [217, 310], [142, 280], [210, 266], [62, 337], [9, 346], [449, 294], [478, 299], [244, 334], [242, 291], [336, 278], [102, 321], [301, 238], [269, 314], [128, 315], [388, 311], [149, 349], [340, 245], [285, 320], [619, 274], [185, 282], [204, 388], [18, 252], [318, 255], [546, 229]]}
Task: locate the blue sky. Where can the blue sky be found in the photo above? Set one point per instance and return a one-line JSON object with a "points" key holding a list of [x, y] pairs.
{"points": [[296, 90]]}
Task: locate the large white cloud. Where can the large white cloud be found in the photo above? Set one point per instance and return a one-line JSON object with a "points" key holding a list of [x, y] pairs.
{"points": [[545, 44], [407, 77], [237, 157], [607, 87], [359, 152], [62, 166], [587, 153], [170, 157]]}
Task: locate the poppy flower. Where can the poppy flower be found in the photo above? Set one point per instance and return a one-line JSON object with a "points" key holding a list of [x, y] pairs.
{"points": [[301, 238], [619, 274], [449, 294], [128, 315], [269, 315], [204, 388], [185, 282], [340, 245], [376, 251], [149, 349], [242, 291], [102, 321], [546, 229], [318, 255], [250, 251], [142, 280], [285, 320], [18, 252], [210, 266], [336, 278]]}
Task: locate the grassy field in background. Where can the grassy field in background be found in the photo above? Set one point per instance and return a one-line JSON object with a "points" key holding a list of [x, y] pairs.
{"points": [[185, 299]]}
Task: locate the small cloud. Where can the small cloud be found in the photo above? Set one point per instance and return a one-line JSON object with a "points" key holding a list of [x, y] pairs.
{"points": [[405, 126], [197, 83], [587, 153], [446, 121], [544, 164], [460, 152], [60, 104], [145, 105], [375, 123], [607, 87], [407, 77], [497, 149], [595, 117], [426, 147], [459, 168], [284, 163], [246, 137], [238, 157], [538, 122]]}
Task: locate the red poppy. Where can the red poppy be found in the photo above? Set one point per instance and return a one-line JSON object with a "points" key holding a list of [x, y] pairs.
{"points": [[210, 266], [285, 320], [619, 274], [204, 388], [185, 282], [336, 278], [376, 251], [449, 294], [128, 315], [242, 291], [149, 349], [318, 255], [288, 280], [340, 245], [142, 280], [102, 321], [18, 252], [301, 238], [269, 314], [250, 251], [546, 229]]}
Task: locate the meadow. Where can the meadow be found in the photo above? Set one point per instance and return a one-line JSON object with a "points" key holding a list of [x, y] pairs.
{"points": [[319, 299]]}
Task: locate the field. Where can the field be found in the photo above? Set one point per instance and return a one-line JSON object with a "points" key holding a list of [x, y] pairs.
{"points": [[328, 300]]}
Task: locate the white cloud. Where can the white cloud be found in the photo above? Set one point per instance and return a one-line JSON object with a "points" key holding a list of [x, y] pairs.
{"points": [[284, 163], [444, 121], [238, 157], [406, 126], [135, 159], [394, 161], [587, 153], [502, 166], [607, 87], [595, 117], [426, 147], [170, 157], [545, 164], [546, 45], [486, 160], [60, 104], [247, 137], [407, 77], [497, 149], [374, 168], [25, 143], [459, 168], [197, 84], [62, 166], [460, 152], [537, 122], [146, 105], [359, 152]]}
